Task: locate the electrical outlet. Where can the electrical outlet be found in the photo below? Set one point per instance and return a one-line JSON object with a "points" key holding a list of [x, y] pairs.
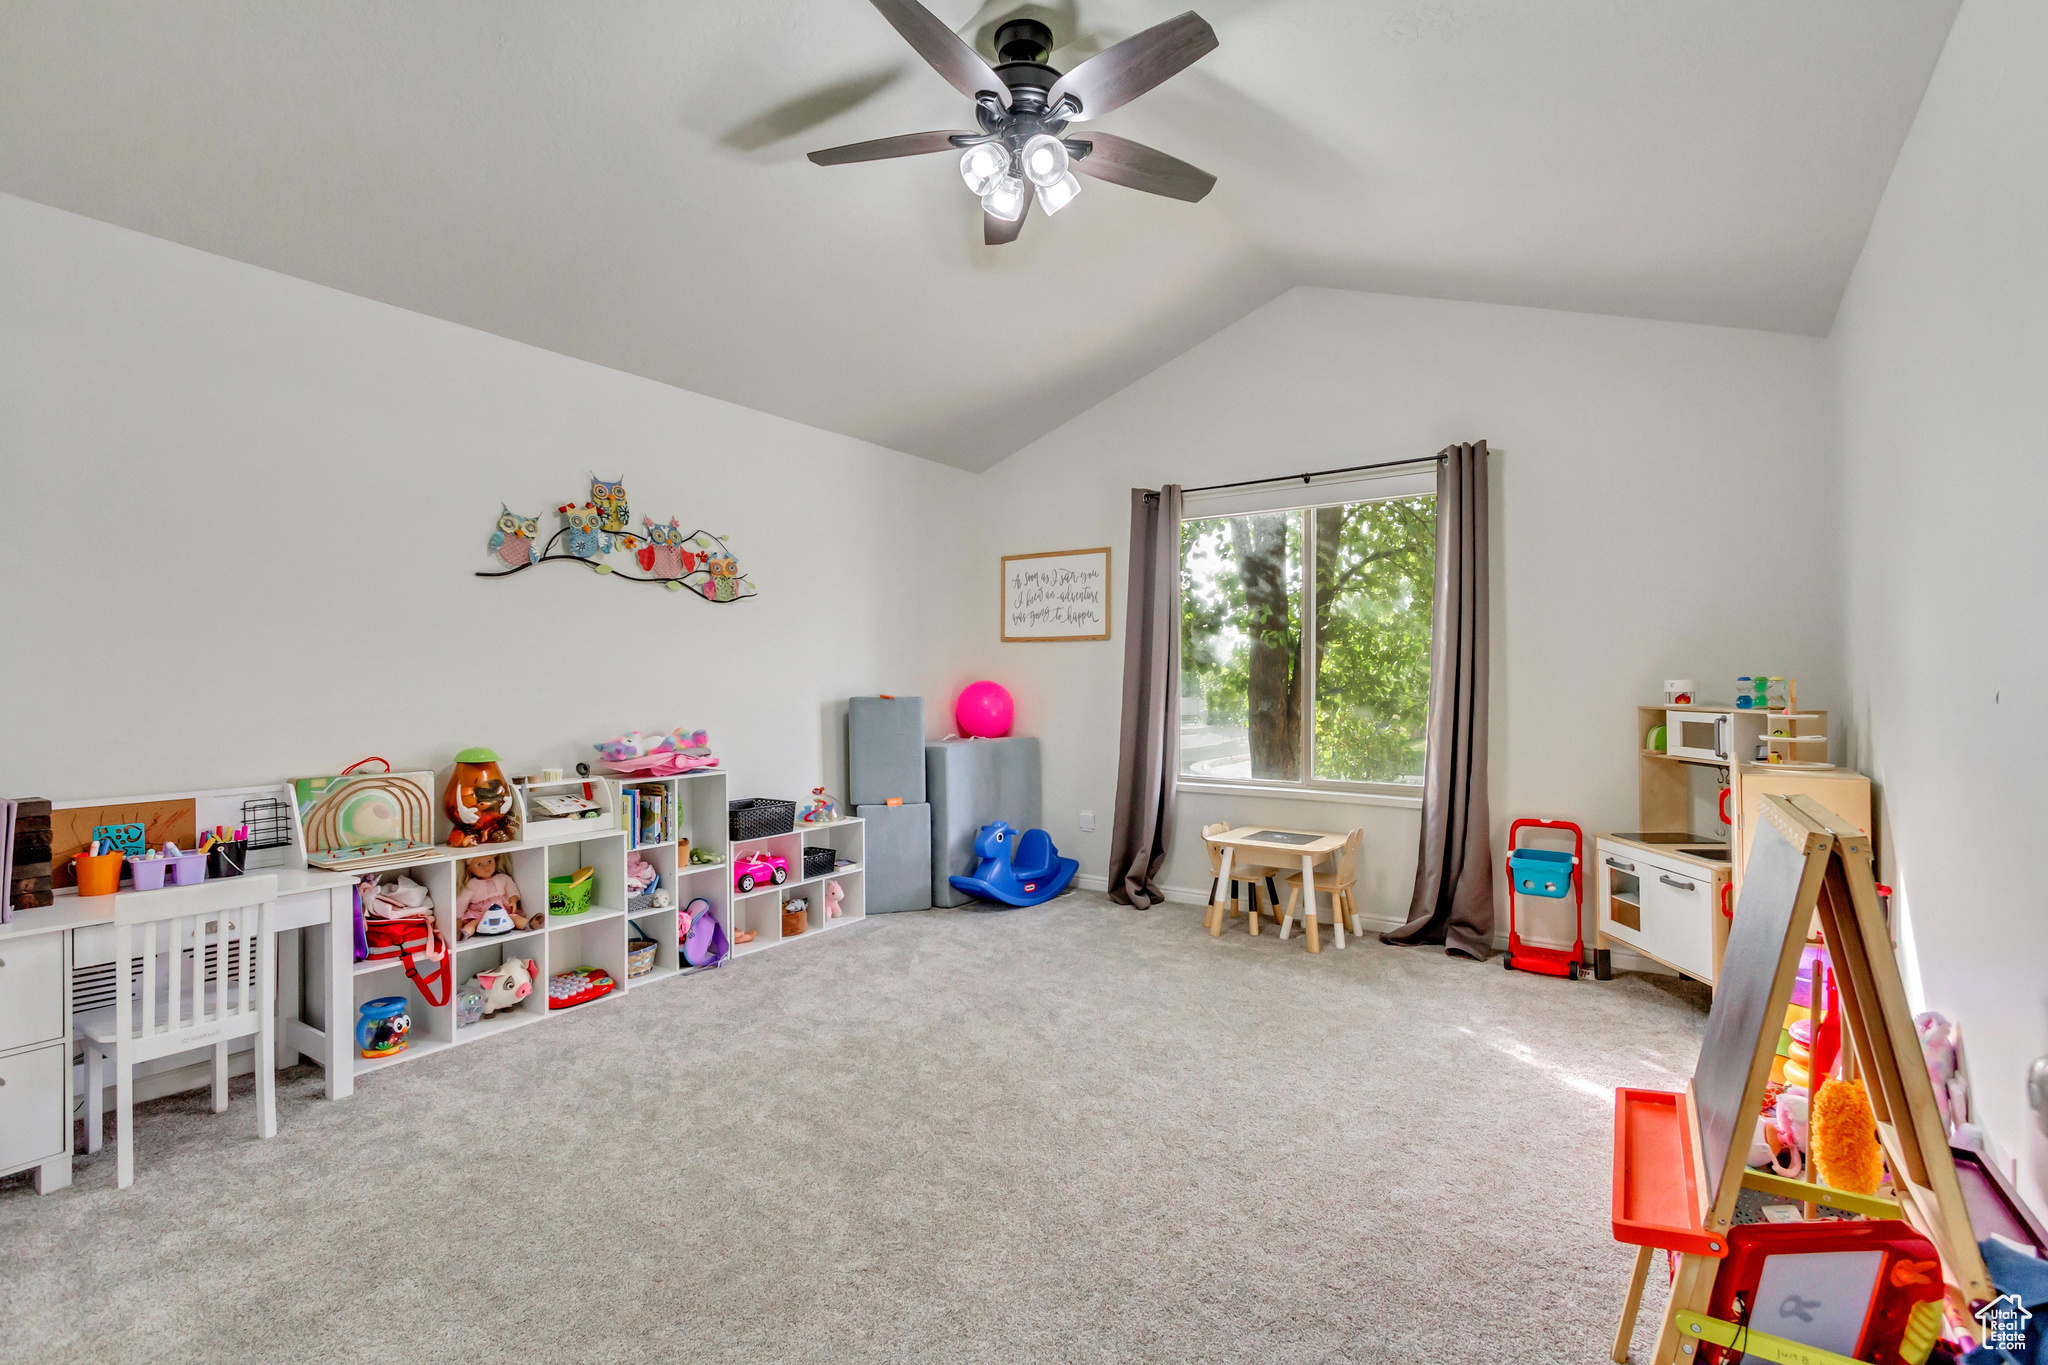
{"points": [[1087, 822]]}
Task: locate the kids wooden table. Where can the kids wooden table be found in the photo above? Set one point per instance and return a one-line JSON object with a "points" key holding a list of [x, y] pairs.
{"points": [[1265, 846]]}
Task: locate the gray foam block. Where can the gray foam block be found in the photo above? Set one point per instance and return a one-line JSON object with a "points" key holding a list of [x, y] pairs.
{"points": [[971, 783], [885, 750], [898, 857]]}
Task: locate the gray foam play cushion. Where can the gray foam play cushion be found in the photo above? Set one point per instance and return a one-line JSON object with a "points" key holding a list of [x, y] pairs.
{"points": [[899, 857], [885, 750], [971, 783]]}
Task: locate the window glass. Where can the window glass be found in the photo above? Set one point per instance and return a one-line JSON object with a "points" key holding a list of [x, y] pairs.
{"points": [[1240, 699], [1375, 576], [1305, 639]]}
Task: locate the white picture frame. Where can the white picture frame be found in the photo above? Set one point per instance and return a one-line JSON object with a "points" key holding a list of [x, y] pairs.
{"points": [[1056, 595]]}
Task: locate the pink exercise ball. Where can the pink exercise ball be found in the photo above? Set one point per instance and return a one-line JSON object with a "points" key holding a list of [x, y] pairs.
{"points": [[984, 710]]}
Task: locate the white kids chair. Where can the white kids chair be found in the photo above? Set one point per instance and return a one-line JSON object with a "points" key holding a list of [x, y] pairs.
{"points": [[194, 967], [1340, 883]]}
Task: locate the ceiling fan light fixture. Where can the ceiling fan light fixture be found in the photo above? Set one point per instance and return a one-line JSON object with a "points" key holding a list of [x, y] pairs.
{"points": [[1045, 160], [1060, 193], [984, 164], [1006, 199]]}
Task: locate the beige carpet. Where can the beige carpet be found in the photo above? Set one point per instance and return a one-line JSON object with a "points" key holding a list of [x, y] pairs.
{"points": [[1077, 1132]]}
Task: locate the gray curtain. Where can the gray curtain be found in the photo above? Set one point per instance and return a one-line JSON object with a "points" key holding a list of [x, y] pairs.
{"points": [[1148, 752], [1453, 901]]}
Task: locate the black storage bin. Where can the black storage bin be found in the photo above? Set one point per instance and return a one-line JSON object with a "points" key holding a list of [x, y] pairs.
{"points": [[759, 817], [819, 861]]}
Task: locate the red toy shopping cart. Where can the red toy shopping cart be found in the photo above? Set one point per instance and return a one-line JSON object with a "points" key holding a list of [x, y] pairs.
{"points": [[1550, 874]]}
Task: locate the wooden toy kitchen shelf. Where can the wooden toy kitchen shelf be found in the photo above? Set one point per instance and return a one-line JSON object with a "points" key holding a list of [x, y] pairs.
{"points": [[1667, 890]]}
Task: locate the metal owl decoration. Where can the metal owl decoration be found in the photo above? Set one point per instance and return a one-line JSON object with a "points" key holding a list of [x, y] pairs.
{"points": [[516, 539], [610, 499], [594, 531], [586, 536]]}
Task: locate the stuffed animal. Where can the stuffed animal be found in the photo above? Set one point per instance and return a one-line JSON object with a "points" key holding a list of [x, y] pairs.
{"points": [[1845, 1150], [834, 894], [1940, 1045], [632, 744], [506, 984]]}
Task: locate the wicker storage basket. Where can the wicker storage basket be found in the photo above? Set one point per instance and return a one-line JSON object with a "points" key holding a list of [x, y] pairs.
{"points": [[759, 817], [819, 861], [639, 957]]}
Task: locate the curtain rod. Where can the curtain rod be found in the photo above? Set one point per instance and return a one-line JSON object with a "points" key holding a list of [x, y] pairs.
{"points": [[1318, 474]]}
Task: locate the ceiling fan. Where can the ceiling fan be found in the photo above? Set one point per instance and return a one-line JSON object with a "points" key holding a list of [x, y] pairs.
{"points": [[1022, 151]]}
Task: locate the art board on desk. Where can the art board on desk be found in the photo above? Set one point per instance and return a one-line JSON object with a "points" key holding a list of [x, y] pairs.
{"points": [[73, 828]]}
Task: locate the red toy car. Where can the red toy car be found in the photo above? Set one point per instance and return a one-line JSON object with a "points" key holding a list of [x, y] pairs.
{"points": [[759, 869]]}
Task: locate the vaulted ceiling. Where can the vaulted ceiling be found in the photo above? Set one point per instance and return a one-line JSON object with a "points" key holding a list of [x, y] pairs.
{"points": [[625, 182]]}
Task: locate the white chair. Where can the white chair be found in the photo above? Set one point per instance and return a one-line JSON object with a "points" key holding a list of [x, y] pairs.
{"points": [[193, 968]]}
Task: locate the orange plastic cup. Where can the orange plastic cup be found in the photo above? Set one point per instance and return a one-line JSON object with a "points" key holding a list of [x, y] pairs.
{"points": [[99, 876]]}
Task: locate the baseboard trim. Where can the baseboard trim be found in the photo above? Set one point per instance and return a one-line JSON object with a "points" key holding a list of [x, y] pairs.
{"points": [[1622, 959]]}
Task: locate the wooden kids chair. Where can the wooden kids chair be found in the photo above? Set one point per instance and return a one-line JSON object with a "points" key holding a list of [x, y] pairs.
{"points": [[197, 965], [1339, 883], [1251, 883]]}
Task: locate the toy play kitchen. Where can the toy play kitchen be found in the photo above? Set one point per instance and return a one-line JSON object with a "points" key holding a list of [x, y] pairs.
{"points": [[1667, 890]]}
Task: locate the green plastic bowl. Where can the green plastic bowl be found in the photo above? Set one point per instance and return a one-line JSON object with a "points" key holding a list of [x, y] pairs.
{"points": [[564, 899]]}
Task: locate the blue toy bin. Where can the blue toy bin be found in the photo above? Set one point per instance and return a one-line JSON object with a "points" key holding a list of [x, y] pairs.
{"points": [[1541, 872]]}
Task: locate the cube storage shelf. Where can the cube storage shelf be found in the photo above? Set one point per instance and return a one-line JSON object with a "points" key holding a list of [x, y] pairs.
{"points": [[696, 812]]}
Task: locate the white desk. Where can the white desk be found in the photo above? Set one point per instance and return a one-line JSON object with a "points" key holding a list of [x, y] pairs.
{"points": [[39, 949]]}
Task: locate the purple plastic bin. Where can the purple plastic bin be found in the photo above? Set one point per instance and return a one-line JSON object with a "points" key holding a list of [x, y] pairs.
{"points": [[187, 869], [148, 872]]}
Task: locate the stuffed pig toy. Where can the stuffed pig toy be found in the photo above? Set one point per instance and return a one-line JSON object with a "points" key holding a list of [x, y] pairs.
{"points": [[506, 984]]}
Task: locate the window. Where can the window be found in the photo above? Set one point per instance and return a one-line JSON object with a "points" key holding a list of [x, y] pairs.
{"points": [[1305, 637]]}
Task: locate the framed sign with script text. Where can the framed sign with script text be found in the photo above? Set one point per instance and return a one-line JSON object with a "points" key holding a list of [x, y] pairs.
{"points": [[1058, 595]]}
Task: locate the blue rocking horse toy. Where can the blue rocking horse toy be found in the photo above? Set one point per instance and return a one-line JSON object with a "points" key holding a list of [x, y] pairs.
{"points": [[1016, 870]]}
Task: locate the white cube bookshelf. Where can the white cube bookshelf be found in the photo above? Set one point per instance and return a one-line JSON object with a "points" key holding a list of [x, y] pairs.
{"points": [[598, 937]]}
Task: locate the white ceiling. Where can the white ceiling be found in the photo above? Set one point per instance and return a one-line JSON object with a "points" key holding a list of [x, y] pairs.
{"points": [[625, 181]]}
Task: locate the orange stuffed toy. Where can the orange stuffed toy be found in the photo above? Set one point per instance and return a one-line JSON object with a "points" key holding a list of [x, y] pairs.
{"points": [[1845, 1150]]}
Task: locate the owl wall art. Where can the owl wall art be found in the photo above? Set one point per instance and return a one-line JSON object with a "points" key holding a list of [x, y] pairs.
{"points": [[598, 535], [610, 499], [516, 539], [584, 535]]}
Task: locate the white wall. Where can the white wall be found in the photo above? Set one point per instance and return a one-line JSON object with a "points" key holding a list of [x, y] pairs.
{"points": [[1940, 357], [242, 513], [1659, 496]]}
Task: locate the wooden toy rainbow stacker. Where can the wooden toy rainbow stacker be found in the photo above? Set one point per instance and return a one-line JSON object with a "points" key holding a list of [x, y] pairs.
{"points": [[1680, 1159]]}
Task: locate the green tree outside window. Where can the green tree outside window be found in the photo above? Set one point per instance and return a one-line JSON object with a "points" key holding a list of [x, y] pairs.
{"points": [[1333, 603]]}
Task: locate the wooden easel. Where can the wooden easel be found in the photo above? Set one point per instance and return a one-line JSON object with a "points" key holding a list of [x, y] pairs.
{"points": [[1681, 1160]]}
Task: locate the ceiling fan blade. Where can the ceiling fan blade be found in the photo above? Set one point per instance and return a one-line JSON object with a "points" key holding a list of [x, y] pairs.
{"points": [[882, 148], [947, 52], [1115, 77], [1135, 166], [998, 231]]}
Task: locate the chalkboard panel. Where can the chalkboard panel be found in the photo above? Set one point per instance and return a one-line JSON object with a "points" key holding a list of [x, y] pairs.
{"points": [[1745, 993]]}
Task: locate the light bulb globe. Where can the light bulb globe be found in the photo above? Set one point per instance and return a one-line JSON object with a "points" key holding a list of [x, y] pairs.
{"points": [[1006, 199], [1060, 193], [982, 165], [1044, 159]]}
